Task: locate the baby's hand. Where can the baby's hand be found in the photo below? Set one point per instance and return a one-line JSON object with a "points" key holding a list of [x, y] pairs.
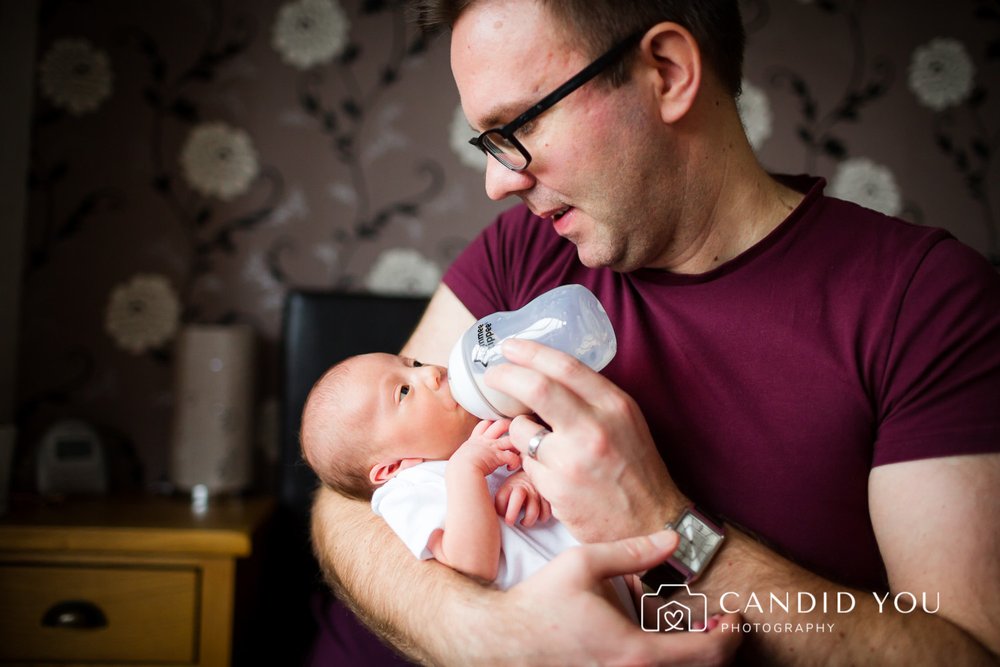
{"points": [[517, 493], [488, 448]]}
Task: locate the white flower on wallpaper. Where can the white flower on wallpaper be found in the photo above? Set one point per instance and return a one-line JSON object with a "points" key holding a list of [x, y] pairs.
{"points": [[866, 183], [755, 112], [219, 160], [941, 73], [143, 313], [310, 32], [403, 271], [460, 135], [76, 76]]}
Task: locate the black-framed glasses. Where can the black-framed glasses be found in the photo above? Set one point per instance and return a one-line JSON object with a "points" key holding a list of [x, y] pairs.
{"points": [[501, 143]]}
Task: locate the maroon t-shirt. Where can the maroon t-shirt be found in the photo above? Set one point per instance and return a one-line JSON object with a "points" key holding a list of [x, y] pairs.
{"points": [[772, 384]]}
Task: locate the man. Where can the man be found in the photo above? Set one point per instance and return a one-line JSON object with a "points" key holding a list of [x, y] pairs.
{"points": [[822, 377]]}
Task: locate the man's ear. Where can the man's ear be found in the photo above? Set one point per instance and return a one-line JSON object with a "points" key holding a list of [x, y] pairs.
{"points": [[383, 472], [675, 61]]}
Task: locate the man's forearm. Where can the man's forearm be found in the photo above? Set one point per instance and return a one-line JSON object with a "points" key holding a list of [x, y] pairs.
{"points": [[395, 594], [851, 629]]}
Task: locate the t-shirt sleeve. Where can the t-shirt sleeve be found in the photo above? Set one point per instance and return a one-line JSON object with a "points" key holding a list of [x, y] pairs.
{"points": [[414, 510], [941, 389], [477, 276], [511, 262]]}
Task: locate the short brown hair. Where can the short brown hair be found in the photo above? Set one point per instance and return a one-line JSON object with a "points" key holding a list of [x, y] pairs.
{"points": [[327, 438], [715, 24]]}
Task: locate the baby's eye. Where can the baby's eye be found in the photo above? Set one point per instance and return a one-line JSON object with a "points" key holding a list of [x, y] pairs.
{"points": [[403, 391], [417, 364]]}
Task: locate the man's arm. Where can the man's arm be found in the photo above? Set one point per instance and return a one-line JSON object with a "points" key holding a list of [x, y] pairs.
{"points": [[558, 616], [445, 319], [395, 598], [937, 522], [938, 526]]}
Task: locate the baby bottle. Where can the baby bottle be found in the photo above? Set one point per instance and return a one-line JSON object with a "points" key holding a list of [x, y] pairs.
{"points": [[568, 318]]}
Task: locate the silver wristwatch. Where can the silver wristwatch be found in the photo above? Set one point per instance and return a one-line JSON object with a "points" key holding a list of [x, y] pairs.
{"points": [[701, 537]]}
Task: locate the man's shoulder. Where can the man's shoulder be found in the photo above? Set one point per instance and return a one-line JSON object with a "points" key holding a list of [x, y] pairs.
{"points": [[853, 234]]}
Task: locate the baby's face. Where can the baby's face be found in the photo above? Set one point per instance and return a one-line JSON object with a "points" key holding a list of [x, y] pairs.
{"points": [[409, 407]]}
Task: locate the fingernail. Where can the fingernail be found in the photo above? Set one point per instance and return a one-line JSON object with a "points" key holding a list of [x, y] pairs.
{"points": [[514, 345], [713, 622], [698, 626], [662, 539]]}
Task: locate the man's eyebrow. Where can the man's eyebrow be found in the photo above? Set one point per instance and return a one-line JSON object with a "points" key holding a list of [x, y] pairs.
{"points": [[502, 114]]}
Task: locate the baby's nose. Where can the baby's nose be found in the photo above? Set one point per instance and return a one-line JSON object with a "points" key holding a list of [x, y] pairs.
{"points": [[433, 376]]}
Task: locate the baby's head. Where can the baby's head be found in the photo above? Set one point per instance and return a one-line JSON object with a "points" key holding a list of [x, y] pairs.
{"points": [[372, 415]]}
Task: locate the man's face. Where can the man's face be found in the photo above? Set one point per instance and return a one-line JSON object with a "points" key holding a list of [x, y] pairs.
{"points": [[598, 155]]}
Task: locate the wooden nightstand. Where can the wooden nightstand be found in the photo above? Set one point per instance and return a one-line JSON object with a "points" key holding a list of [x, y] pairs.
{"points": [[135, 581]]}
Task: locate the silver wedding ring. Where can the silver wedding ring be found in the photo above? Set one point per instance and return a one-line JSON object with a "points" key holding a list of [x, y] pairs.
{"points": [[536, 442]]}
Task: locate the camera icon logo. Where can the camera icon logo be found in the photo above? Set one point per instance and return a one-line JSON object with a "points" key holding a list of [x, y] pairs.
{"points": [[674, 607]]}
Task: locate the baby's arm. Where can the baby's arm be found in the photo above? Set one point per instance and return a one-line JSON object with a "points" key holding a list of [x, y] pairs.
{"points": [[470, 541]]}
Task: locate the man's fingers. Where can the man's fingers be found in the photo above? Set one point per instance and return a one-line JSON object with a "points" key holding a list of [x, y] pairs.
{"points": [[558, 366], [522, 429], [553, 399]]}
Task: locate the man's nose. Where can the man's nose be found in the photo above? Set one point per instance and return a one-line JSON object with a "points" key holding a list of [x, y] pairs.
{"points": [[501, 182]]}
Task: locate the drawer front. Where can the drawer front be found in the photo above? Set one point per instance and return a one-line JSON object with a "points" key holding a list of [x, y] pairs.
{"points": [[139, 614]]}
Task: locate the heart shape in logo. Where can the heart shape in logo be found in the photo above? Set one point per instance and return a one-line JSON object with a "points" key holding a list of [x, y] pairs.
{"points": [[674, 619]]}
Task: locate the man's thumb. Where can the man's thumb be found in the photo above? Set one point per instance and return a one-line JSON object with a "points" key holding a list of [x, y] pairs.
{"points": [[630, 555]]}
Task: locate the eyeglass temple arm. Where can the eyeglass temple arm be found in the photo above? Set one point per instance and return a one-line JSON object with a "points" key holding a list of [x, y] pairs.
{"points": [[580, 78]]}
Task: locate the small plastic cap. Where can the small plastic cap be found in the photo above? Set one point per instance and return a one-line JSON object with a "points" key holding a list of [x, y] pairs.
{"points": [[463, 387]]}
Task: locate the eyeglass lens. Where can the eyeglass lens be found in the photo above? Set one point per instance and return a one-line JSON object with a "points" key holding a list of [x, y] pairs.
{"points": [[504, 150]]}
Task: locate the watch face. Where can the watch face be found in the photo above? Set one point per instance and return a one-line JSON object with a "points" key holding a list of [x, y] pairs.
{"points": [[697, 544]]}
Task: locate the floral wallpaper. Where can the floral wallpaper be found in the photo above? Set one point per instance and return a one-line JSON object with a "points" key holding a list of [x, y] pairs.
{"points": [[193, 160]]}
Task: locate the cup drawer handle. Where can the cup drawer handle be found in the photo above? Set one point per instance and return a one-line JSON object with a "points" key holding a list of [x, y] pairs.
{"points": [[77, 614]]}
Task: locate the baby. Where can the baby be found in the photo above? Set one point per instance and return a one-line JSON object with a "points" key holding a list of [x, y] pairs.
{"points": [[386, 428]]}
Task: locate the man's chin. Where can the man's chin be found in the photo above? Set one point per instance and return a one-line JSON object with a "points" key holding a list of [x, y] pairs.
{"points": [[593, 260]]}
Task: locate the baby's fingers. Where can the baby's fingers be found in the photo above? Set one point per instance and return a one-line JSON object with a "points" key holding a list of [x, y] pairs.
{"points": [[502, 498], [511, 458], [482, 427], [532, 510], [497, 428], [517, 498], [545, 510]]}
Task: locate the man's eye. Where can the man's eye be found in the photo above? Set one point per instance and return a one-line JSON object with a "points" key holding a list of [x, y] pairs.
{"points": [[525, 129], [403, 391]]}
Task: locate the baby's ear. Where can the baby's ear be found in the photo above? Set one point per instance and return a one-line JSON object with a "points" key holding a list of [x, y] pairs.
{"points": [[383, 472]]}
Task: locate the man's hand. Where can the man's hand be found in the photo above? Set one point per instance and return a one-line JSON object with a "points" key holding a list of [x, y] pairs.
{"points": [[599, 467], [517, 493], [563, 603]]}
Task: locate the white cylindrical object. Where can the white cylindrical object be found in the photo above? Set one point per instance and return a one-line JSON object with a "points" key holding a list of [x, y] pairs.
{"points": [[568, 318], [212, 440]]}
